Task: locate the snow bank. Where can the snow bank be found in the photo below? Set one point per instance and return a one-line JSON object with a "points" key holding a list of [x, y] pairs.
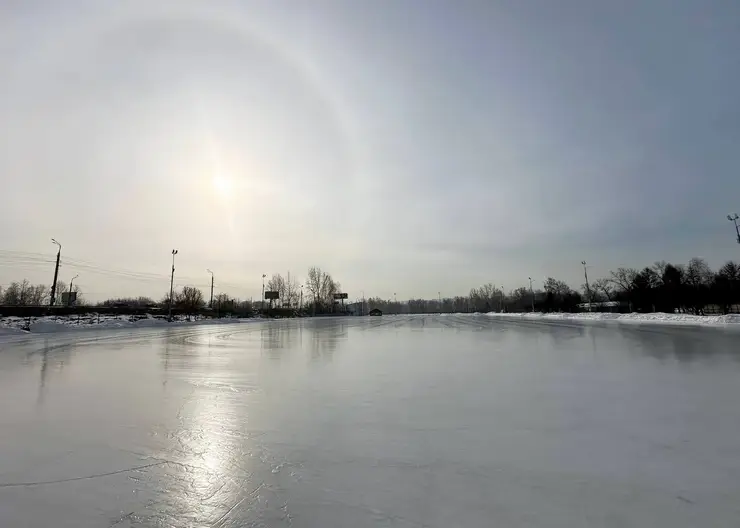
{"points": [[53, 324], [657, 318], [5, 331]]}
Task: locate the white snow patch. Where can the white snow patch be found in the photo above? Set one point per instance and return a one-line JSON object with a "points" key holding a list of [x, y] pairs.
{"points": [[53, 324], [657, 318]]}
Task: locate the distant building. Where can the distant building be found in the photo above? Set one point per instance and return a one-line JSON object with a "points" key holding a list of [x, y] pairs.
{"points": [[355, 308], [608, 306]]}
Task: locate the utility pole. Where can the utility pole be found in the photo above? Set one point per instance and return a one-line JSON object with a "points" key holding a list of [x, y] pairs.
{"points": [[734, 218], [588, 288], [210, 305], [172, 283], [69, 295], [531, 291], [263, 291], [56, 274]]}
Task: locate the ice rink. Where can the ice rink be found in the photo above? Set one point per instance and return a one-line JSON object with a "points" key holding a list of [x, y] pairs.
{"points": [[420, 421]]}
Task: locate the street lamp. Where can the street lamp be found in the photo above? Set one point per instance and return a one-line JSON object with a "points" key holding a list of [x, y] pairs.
{"points": [[210, 305], [172, 283], [69, 295], [734, 218], [588, 288], [531, 291], [56, 274], [263, 291]]}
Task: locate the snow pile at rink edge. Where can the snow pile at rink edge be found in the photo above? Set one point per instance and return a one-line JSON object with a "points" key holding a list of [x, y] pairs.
{"points": [[657, 318], [51, 324]]}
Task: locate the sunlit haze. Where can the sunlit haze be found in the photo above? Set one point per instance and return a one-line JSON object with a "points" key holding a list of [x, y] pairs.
{"points": [[405, 147]]}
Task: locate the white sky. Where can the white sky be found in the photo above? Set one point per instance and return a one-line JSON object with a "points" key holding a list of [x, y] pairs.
{"points": [[408, 147]]}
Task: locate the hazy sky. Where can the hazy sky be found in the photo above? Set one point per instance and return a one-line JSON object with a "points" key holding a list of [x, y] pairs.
{"points": [[404, 146]]}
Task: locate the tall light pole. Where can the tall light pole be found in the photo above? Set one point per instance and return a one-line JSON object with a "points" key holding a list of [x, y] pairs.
{"points": [[172, 283], [56, 274], [588, 288], [210, 305], [263, 290], [69, 295], [531, 291], [300, 307], [734, 218]]}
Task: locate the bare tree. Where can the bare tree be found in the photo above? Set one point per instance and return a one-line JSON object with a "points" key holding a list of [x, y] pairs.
{"points": [[39, 295], [277, 284], [623, 279], [321, 286], [222, 301], [698, 272], [730, 271], [287, 287], [557, 287], [23, 294], [189, 299], [602, 289], [292, 292], [12, 295], [61, 290], [164, 302]]}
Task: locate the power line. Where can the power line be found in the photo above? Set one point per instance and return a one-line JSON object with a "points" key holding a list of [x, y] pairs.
{"points": [[28, 261]]}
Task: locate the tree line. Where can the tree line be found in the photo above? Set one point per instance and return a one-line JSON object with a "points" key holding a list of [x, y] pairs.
{"points": [[663, 287], [23, 293], [692, 288], [314, 296]]}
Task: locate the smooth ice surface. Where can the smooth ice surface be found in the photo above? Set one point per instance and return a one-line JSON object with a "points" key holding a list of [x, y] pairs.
{"points": [[419, 421]]}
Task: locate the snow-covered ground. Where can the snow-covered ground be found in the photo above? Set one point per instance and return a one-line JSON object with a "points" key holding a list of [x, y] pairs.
{"points": [[49, 324], [657, 318]]}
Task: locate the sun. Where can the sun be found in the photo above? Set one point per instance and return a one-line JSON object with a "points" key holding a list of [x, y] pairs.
{"points": [[223, 185]]}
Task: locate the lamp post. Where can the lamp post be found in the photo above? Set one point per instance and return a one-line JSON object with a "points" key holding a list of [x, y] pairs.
{"points": [[172, 283], [734, 218], [531, 291], [210, 304], [56, 274], [588, 288], [263, 291], [69, 295]]}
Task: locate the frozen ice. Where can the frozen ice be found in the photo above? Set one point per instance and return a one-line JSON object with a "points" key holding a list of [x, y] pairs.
{"points": [[420, 421]]}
